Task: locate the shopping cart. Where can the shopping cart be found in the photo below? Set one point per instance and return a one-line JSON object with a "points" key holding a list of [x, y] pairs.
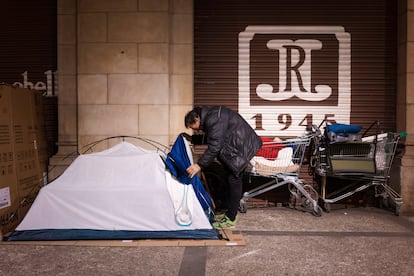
{"points": [[280, 163], [357, 165]]}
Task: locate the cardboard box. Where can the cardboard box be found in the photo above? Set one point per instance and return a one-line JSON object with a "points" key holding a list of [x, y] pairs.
{"points": [[9, 199], [22, 162]]}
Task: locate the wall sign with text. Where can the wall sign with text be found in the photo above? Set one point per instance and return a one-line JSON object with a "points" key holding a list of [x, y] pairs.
{"points": [[293, 95]]}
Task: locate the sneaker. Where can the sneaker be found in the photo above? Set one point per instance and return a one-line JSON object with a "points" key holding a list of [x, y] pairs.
{"points": [[225, 222], [219, 217]]}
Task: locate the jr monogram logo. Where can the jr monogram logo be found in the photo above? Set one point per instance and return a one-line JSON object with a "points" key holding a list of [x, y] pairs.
{"points": [[296, 96]]}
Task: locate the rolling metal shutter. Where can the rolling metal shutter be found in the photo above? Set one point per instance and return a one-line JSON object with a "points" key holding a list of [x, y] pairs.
{"points": [[288, 64], [28, 53], [28, 30]]}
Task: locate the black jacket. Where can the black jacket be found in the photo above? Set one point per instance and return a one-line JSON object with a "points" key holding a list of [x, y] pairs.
{"points": [[229, 138]]}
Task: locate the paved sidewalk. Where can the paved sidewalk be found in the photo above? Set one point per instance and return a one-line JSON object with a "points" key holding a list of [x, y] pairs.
{"points": [[279, 241]]}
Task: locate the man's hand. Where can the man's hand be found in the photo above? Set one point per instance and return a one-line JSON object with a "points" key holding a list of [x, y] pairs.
{"points": [[193, 170]]}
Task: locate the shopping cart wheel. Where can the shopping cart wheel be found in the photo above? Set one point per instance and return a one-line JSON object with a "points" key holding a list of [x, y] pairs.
{"points": [[243, 206], [385, 203], [326, 207], [397, 205], [397, 209], [317, 212]]}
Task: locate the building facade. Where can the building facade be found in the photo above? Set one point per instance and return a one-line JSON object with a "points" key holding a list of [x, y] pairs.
{"points": [[128, 68]]}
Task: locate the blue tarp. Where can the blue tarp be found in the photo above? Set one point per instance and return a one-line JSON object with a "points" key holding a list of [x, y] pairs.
{"points": [[90, 234], [177, 162]]}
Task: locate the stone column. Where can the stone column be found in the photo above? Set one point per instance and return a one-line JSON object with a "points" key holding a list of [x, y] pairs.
{"points": [[66, 78], [405, 100]]}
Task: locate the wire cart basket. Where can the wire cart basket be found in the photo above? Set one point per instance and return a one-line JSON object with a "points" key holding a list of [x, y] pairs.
{"points": [[280, 164], [362, 164]]}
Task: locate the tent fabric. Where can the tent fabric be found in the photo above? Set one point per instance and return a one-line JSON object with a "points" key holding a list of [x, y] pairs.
{"points": [[124, 192], [178, 160]]}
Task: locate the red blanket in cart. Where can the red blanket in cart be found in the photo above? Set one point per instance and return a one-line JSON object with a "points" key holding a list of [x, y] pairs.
{"points": [[270, 148]]}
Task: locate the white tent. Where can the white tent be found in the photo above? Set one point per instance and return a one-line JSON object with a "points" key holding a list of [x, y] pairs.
{"points": [[124, 192]]}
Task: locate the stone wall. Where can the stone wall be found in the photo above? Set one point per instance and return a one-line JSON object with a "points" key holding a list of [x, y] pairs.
{"points": [[124, 68], [134, 67]]}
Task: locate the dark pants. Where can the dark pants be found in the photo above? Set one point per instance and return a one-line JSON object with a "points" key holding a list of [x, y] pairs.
{"points": [[234, 194]]}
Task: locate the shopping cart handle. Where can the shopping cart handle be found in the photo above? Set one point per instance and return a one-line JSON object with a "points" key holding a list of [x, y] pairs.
{"points": [[315, 130], [403, 134]]}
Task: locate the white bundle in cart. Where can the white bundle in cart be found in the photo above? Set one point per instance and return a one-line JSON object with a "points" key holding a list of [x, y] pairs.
{"points": [[275, 156]]}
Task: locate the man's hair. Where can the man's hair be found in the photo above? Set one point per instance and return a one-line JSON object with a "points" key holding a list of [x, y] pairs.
{"points": [[190, 117]]}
